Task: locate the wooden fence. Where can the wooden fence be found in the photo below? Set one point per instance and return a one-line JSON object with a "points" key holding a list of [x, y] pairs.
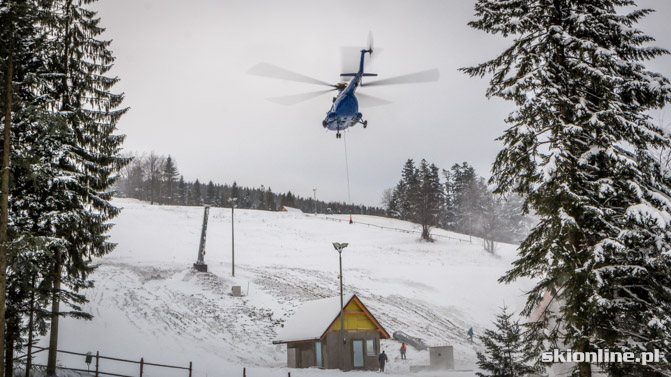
{"points": [[97, 372]]}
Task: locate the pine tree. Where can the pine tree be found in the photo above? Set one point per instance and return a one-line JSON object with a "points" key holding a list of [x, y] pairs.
{"points": [[262, 204], [506, 354], [288, 200], [17, 37], [408, 190], [90, 161], [468, 194], [196, 196], [235, 190], [270, 200], [170, 174], [210, 194], [393, 208], [579, 151], [182, 191], [427, 198]]}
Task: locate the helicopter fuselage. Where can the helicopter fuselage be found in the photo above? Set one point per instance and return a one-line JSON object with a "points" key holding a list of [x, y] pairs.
{"points": [[344, 112]]}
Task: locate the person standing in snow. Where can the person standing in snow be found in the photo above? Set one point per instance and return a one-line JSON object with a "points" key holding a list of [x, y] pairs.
{"points": [[403, 349], [382, 359], [470, 334]]}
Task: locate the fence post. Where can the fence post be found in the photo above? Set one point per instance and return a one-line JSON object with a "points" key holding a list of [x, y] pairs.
{"points": [[190, 368], [141, 366], [97, 362], [244, 372]]}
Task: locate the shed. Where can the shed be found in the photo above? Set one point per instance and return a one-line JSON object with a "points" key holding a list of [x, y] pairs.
{"points": [[312, 336], [290, 209]]}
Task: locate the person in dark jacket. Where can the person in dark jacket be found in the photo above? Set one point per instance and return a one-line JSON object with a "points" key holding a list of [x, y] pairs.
{"points": [[382, 359]]}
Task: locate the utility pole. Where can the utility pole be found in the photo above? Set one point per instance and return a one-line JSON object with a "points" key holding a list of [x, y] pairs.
{"points": [[315, 190], [232, 201], [339, 247]]}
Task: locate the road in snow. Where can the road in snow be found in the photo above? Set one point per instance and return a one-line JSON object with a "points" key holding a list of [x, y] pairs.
{"points": [[149, 303]]}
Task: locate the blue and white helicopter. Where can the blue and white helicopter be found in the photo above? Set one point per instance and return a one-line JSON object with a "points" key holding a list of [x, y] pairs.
{"points": [[344, 112]]}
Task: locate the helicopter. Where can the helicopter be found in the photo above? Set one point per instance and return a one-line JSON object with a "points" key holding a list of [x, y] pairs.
{"points": [[344, 112]]}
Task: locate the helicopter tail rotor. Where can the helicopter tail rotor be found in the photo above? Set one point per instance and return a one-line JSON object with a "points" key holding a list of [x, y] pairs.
{"points": [[350, 56]]}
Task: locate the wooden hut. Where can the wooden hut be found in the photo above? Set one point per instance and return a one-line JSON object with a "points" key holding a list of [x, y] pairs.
{"points": [[313, 336]]}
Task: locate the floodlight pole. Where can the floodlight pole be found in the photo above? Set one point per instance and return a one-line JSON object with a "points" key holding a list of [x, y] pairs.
{"points": [[315, 190], [232, 201], [339, 247]]}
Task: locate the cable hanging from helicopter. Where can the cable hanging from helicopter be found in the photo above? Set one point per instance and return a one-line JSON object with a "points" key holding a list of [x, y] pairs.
{"points": [[344, 112]]}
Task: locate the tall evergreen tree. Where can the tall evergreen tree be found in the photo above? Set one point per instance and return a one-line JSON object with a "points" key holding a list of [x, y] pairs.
{"points": [[170, 174], [235, 190], [428, 198], [579, 151], [407, 190], [91, 160], [182, 191], [196, 196], [210, 194], [505, 347], [262, 204], [270, 200], [27, 133]]}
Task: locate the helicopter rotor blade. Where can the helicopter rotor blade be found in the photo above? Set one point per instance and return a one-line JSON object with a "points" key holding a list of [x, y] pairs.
{"points": [[298, 98], [275, 72], [423, 76], [366, 100]]}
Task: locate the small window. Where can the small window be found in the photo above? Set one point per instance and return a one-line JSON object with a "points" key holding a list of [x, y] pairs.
{"points": [[370, 347]]}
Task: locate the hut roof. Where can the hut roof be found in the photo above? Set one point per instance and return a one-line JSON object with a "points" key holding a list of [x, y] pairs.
{"points": [[314, 319], [291, 209]]}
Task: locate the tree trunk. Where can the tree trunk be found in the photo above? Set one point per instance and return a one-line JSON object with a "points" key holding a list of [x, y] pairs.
{"points": [[4, 198], [584, 368], [55, 309], [31, 322], [10, 340]]}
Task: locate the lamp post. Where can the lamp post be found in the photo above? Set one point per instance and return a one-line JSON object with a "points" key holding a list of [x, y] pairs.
{"points": [[339, 247], [232, 201]]}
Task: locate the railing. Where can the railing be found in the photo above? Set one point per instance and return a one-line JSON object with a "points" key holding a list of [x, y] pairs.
{"points": [[98, 357]]}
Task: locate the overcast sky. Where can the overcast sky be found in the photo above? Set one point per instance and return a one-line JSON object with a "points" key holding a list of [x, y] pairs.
{"points": [[183, 65]]}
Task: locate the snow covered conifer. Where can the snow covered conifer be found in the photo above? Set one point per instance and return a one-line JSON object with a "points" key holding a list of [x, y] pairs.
{"points": [[90, 162], [579, 151], [428, 198], [407, 189], [505, 349]]}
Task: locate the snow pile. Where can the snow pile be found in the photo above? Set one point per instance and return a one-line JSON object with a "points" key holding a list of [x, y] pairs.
{"points": [[148, 302]]}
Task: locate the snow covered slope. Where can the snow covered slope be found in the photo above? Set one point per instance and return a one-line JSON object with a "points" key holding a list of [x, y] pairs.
{"points": [[148, 302]]}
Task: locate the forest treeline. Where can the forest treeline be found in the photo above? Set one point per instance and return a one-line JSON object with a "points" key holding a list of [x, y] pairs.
{"points": [[457, 199], [155, 178]]}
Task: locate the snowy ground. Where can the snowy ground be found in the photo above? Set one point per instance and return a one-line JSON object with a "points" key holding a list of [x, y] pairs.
{"points": [[149, 303]]}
